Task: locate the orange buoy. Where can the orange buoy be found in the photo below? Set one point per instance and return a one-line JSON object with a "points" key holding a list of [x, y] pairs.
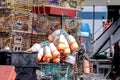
{"points": [[35, 48], [72, 42], [52, 36], [67, 48], [61, 43], [86, 66], [44, 59], [48, 56], [57, 60], [55, 41], [54, 51], [40, 55]]}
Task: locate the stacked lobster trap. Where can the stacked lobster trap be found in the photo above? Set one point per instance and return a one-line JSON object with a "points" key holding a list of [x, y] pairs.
{"points": [[15, 31], [42, 26]]}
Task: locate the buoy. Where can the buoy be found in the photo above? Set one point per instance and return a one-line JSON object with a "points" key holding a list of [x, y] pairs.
{"points": [[35, 48], [54, 51], [70, 59], [56, 32], [61, 43], [72, 42], [86, 66], [55, 41], [40, 55], [48, 56], [57, 60], [7, 48], [67, 48], [52, 36]]}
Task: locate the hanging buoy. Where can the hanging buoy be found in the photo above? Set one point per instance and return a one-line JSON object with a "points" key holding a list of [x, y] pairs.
{"points": [[52, 36], [35, 48], [67, 48], [72, 42], [57, 60], [48, 56], [61, 43], [40, 55], [56, 32], [54, 51], [55, 41], [86, 66], [70, 59]]}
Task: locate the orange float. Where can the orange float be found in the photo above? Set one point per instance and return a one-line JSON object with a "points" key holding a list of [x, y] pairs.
{"points": [[52, 36], [72, 42], [54, 51], [57, 60], [86, 66], [61, 43], [55, 41], [67, 48], [40, 55], [48, 56]]}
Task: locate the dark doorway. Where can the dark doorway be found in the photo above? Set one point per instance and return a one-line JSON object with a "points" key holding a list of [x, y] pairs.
{"points": [[113, 12]]}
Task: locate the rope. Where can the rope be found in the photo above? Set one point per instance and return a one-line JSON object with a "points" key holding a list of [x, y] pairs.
{"points": [[44, 10]]}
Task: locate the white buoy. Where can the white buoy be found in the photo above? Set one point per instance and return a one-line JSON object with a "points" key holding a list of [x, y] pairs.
{"points": [[40, 54], [7, 48], [55, 52], [67, 48], [61, 43], [35, 48], [72, 42], [55, 41], [52, 36], [48, 56]]}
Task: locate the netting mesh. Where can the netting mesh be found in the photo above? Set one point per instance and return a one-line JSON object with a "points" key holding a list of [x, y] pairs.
{"points": [[60, 71]]}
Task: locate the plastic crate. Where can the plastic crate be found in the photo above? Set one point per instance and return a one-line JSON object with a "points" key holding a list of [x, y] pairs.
{"points": [[7, 72]]}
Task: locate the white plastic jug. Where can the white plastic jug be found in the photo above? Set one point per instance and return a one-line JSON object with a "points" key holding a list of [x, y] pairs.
{"points": [[70, 59]]}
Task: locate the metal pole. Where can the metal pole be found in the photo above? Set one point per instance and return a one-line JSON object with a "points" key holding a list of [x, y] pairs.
{"points": [[93, 20], [93, 27], [111, 44]]}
